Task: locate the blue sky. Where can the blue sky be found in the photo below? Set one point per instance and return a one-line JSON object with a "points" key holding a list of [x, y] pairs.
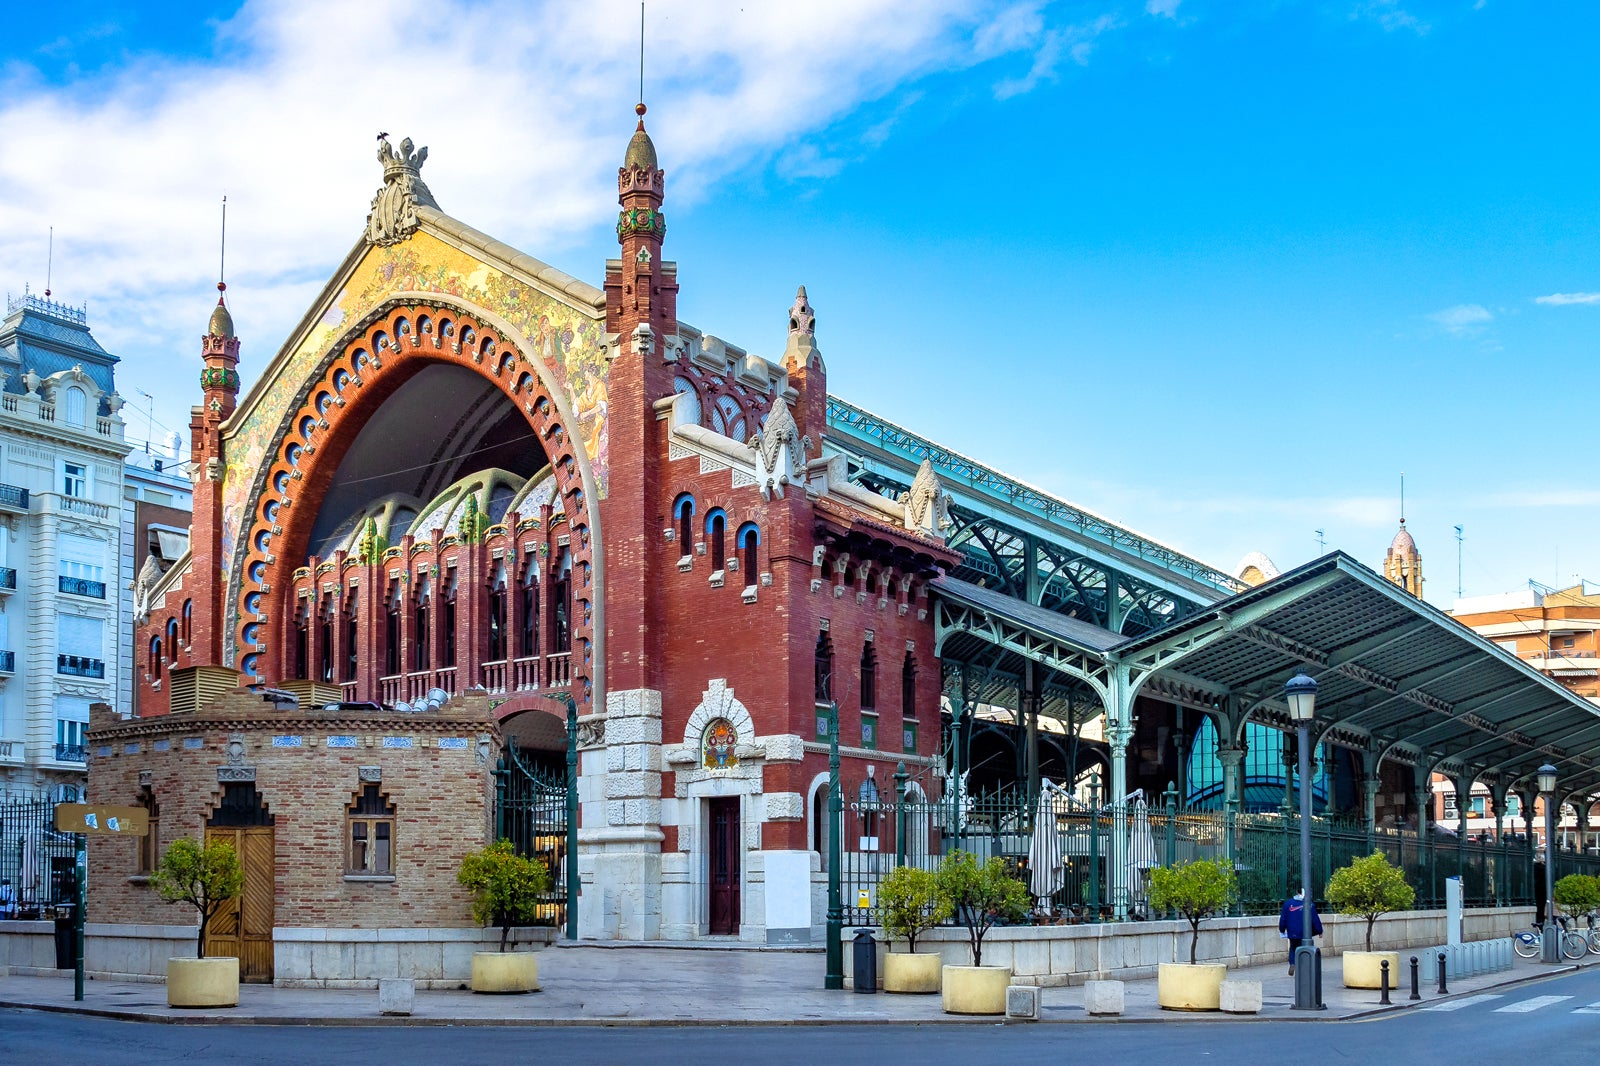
{"points": [[1219, 271]]}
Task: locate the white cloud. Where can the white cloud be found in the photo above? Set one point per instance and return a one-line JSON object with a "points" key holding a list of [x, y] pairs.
{"points": [[1390, 15], [1563, 299], [1462, 320], [1076, 41], [1163, 8], [526, 109]]}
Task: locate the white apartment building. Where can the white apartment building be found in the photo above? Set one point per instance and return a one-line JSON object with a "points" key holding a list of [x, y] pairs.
{"points": [[61, 491], [157, 507]]}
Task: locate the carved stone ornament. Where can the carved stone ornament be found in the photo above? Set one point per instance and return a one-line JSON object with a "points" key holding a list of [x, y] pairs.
{"points": [[927, 505], [149, 575], [369, 773], [30, 381], [801, 318], [393, 217], [592, 733], [234, 774], [779, 451], [235, 749]]}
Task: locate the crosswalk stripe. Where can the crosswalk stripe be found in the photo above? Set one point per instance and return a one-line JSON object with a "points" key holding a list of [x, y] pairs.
{"points": [[1536, 1003], [1457, 1004], [1593, 1008]]}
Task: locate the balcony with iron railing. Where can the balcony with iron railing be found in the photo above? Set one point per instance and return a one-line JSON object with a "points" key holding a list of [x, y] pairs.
{"points": [[71, 753], [8, 662], [80, 666], [8, 579], [13, 498], [80, 586]]}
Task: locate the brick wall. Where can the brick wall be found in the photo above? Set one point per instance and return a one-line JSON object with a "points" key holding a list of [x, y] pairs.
{"points": [[442, 798]]}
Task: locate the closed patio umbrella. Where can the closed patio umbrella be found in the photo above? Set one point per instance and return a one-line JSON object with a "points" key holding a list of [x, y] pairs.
{"points": [[1141, 850], [1044, 851]]}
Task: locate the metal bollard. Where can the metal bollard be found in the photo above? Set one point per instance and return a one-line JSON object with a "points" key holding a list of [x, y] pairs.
{"points": [[1383, 981], [1444, 989], [1414, 969]]}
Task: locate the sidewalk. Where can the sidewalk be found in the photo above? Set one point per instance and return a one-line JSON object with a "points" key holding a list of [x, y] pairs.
{"points": [[593, 985]]}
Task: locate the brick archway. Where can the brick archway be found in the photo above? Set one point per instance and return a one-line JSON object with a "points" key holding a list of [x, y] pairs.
{"points": [[400, 337]]}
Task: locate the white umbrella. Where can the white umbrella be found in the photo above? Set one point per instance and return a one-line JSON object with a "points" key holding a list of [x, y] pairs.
{"points": [[28, 875], [1044, 852]]}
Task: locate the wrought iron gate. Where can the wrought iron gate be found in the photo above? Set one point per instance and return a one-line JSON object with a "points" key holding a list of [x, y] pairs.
{"points": [[531, 805]]}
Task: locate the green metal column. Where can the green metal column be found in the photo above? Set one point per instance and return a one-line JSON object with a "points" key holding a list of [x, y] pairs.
{"points": [[1113, 601], [1094, 847], [573, 885], [834, 978]]}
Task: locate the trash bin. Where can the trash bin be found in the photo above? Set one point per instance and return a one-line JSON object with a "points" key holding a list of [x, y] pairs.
{"points": [[66, 956], [866, 961]]}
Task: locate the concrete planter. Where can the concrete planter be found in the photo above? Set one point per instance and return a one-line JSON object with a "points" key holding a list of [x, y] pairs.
{"points": [[1362, 969], [505, 972], [975, 989], [912, 973], [203, 982], [1181, 986]]}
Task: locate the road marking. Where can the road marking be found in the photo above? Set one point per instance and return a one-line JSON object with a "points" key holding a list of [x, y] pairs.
{"points": [[1593, 1008], [1536, 1003], [1457, 1004]]}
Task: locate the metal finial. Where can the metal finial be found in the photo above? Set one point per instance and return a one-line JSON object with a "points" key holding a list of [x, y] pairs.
{"points": [[640, 108], [222, 254], [49, 262]]}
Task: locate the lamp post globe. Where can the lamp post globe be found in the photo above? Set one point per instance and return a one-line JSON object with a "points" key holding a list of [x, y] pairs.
{"points": [[1301, 694], [1551, 939]]}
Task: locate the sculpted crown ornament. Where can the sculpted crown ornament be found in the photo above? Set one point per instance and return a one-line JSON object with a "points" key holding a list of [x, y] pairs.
{"points": [[393, 217], [779, 450], [927, 504]]}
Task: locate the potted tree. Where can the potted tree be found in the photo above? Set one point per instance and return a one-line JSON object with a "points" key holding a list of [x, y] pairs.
{"points": [[1370, 888], [205, 876], [1196, 890], [1578, 894], [505, 891], [979, 894], [909, 904]]}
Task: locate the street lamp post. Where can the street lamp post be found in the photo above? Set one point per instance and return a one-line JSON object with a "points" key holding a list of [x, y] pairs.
{"points": [[1301, 694], [1551, 939], [834, 978]]}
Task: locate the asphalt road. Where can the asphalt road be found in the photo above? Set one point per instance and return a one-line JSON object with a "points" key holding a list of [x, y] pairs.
{"points": [[1548, 1022]]}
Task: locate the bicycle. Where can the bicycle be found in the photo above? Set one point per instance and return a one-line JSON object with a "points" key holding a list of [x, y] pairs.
{"points": [[1529, 944], [1593, 935]]}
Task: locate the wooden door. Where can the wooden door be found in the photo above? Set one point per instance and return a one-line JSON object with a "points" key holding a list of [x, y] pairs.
{"points": [[724, 839], [243, 926]]}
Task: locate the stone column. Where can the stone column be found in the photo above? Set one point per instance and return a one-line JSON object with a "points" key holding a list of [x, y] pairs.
{"points": [[620, 847]]}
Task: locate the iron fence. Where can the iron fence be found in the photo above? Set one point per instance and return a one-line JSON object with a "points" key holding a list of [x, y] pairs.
{"points": [[36, 862], [531, 812], [1088, 838]]}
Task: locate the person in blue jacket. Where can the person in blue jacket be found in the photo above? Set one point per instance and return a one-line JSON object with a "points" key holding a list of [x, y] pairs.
{"points": [[1292, 924]]}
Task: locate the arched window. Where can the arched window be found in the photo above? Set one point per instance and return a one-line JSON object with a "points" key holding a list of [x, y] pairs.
{"points": [[350, 636], [824, 667], [302, 641], [447, 625], [421, 637], [685, 387], [908, 688], [683, 512], [749, 541], [727, 418], [869, 678], [391, 634], [561, 606], [325, 653], [155, 660], [77, 406], [497, 620], [150, 843], [188, 623], [172, 638], [529, 644], [716, 526]]}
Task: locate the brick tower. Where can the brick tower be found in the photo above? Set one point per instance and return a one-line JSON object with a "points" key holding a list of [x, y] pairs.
{"points": [[219, 389]]}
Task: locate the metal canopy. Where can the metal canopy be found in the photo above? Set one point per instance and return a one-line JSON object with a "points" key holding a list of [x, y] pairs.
{"points": [[1396, 676]]}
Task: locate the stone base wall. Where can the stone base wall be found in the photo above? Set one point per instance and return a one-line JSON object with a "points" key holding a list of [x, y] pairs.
{"points": [[1072, 954], [302, 958]]}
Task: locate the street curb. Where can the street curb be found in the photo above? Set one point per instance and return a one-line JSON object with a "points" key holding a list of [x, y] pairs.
{"points": [[1380, 1012]]}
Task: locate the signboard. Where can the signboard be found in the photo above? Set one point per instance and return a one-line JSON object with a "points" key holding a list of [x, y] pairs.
{"points": [[98, 819]]}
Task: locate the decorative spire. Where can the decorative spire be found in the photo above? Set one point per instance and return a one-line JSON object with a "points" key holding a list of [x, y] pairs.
{"points": [[221, 324], [801, 317], [393, 217]]}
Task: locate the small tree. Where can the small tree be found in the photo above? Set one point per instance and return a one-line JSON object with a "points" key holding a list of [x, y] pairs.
{"points": [[1578, 893], [980, 895], [1197, 890], [909, 904], [505, 887], [203, 876], [1368, 888]]}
